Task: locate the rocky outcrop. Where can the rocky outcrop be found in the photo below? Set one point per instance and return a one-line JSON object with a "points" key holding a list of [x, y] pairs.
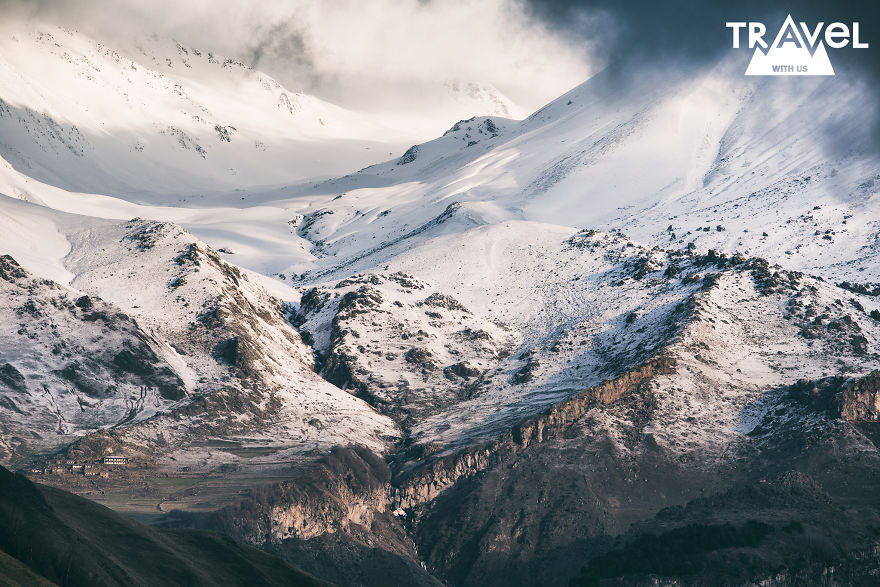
{"points": [[856, 400], [348, 486], [334, 518], [10, 270], [408, 352], [409, 156], [423, 483], [560, 417], [861, 399]]}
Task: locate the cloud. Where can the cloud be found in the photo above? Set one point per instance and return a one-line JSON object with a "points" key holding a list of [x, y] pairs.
{"points": [[378, 53], [692, 30], [639, 35], [394, 55]]}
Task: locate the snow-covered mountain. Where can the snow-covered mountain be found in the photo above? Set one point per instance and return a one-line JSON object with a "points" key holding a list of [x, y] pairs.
{"points": [[783, 170], [673, 275], [467, 243], [164, 123], [160, 340]]}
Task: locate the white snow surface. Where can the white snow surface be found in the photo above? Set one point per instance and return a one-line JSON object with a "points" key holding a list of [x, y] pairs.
{"points": [[162, 123]]}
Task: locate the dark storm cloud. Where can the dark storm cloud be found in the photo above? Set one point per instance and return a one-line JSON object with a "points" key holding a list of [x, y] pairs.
{"points": [[647, 32], [630, 37], [288, 40]]}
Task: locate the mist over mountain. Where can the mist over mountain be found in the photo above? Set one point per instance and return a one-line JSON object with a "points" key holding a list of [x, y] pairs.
{"points": [[388, 57]]}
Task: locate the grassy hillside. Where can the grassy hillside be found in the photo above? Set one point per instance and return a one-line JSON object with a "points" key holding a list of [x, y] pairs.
{"points": [[52, 536]]}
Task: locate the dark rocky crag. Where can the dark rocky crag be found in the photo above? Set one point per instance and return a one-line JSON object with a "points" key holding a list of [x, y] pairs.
{"points": [[568, 505]]}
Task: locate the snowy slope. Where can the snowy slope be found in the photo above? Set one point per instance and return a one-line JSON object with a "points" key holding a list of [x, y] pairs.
{"points": [[668, 159], [664, 157], [466, 334], [71, 364], [152, 335], [256, 235], [168, 123]]}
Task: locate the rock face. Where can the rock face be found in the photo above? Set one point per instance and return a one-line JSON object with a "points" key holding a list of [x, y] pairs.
{"points": [[861, 399], [348, 487], [429, 477], [856, 400], [335, 517]]}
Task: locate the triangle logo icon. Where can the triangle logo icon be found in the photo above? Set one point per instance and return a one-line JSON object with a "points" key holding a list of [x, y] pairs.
{"points": [[790, 55]]}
